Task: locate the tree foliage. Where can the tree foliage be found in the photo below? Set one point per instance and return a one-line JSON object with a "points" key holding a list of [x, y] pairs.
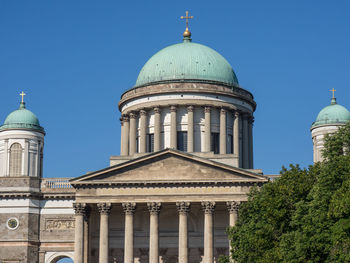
{"points": [[303, 216]]}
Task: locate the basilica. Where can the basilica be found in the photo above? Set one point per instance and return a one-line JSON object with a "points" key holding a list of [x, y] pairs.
{"points": [[185, 166]]}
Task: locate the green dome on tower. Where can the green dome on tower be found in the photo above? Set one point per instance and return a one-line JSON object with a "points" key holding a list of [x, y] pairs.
{"points": [[22, 119], [187, 61], [332, 114]]}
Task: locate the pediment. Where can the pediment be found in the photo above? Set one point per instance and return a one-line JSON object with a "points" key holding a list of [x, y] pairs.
{"points": [[169, 166]]}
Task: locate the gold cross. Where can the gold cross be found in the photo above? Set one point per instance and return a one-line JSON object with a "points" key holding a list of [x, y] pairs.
{"points": [[333, 91], [22, 94], [186, 17]]}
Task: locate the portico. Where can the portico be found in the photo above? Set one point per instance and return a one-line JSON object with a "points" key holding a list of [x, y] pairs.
{"points": [[140, 189]]}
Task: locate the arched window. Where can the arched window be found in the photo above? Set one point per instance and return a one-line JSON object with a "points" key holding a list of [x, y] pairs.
{"points": [[16, 160]]}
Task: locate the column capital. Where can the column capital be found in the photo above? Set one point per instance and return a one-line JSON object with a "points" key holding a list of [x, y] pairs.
{"points": [[207, 109], [156, 109], [173, 108], [143, 113], [251, 119], [129, 208], [233, 206], [133, 115], [80, 209], [236, 113], [125, 118], [183, 207], [223, 110], [190, 108], [154, 207], [208, 207], [104, 208]]}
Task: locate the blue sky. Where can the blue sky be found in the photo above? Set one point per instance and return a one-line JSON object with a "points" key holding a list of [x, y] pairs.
{"points": [[74, 59]]}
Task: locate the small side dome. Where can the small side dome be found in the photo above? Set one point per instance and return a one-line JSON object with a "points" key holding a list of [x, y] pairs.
{"points": [[22, 119], [332, 114]]}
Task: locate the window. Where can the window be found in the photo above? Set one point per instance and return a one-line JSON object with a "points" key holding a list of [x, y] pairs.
{"points": [[214, 142], [16, 160], [182, 141], [137, 144], [150, 143], [230, 143]]}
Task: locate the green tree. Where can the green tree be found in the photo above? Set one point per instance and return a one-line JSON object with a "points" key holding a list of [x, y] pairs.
{"points": [[303, 216]]}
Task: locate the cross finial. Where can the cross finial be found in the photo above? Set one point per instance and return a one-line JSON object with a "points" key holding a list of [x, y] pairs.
{"points": [[187, 33], [22, 94], [333, 90]]}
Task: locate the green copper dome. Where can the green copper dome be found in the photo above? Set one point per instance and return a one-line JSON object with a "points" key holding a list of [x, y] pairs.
{"points": [[22, 119], [187, 61], [332, 114]]}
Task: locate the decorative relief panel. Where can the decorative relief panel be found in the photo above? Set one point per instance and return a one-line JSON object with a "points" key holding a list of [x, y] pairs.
{"points": [[60, 224]]}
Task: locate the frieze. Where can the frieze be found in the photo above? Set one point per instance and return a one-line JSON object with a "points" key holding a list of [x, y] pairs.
{"points": [[59, 224]]}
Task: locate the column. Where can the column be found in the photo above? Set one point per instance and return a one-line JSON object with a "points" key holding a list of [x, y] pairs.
{"points": [[143, 123], [6, 157], [208, 208], [190, 129], [223, 135], [245, 142], [86, 237], [122, 135], [104, 209], [37, 160], [80, 210], [154, 209], [25, 170], [232, 207], [157, 129], [250, 137], [129, 209], [236, 135], [207, 129], [183, 208], [132, 137], [173, 131], [125, 136]]}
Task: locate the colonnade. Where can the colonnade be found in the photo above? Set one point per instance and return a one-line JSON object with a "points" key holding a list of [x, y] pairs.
{"points": [[154, 208], [242, 136]]}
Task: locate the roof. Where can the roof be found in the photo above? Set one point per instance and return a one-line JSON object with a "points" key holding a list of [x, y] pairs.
{"points": [[22, 119], [167, 174], [187, 61], [332, 114]]}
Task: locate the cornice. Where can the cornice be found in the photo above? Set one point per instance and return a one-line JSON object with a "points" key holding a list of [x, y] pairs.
{"points": [[165, 184], [187, 87]]}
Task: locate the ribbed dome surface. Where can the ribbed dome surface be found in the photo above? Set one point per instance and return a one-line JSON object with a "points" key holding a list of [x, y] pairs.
{"points": [[187, 61], [21, 119], [332, 114]]}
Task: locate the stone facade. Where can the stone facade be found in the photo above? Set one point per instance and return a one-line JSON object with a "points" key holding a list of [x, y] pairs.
{"points": [[179, 184]]}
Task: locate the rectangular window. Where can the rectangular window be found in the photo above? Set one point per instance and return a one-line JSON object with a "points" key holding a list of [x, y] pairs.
{"points": [[229, 143], [150, 142], [215, 142], [182, 141]]}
